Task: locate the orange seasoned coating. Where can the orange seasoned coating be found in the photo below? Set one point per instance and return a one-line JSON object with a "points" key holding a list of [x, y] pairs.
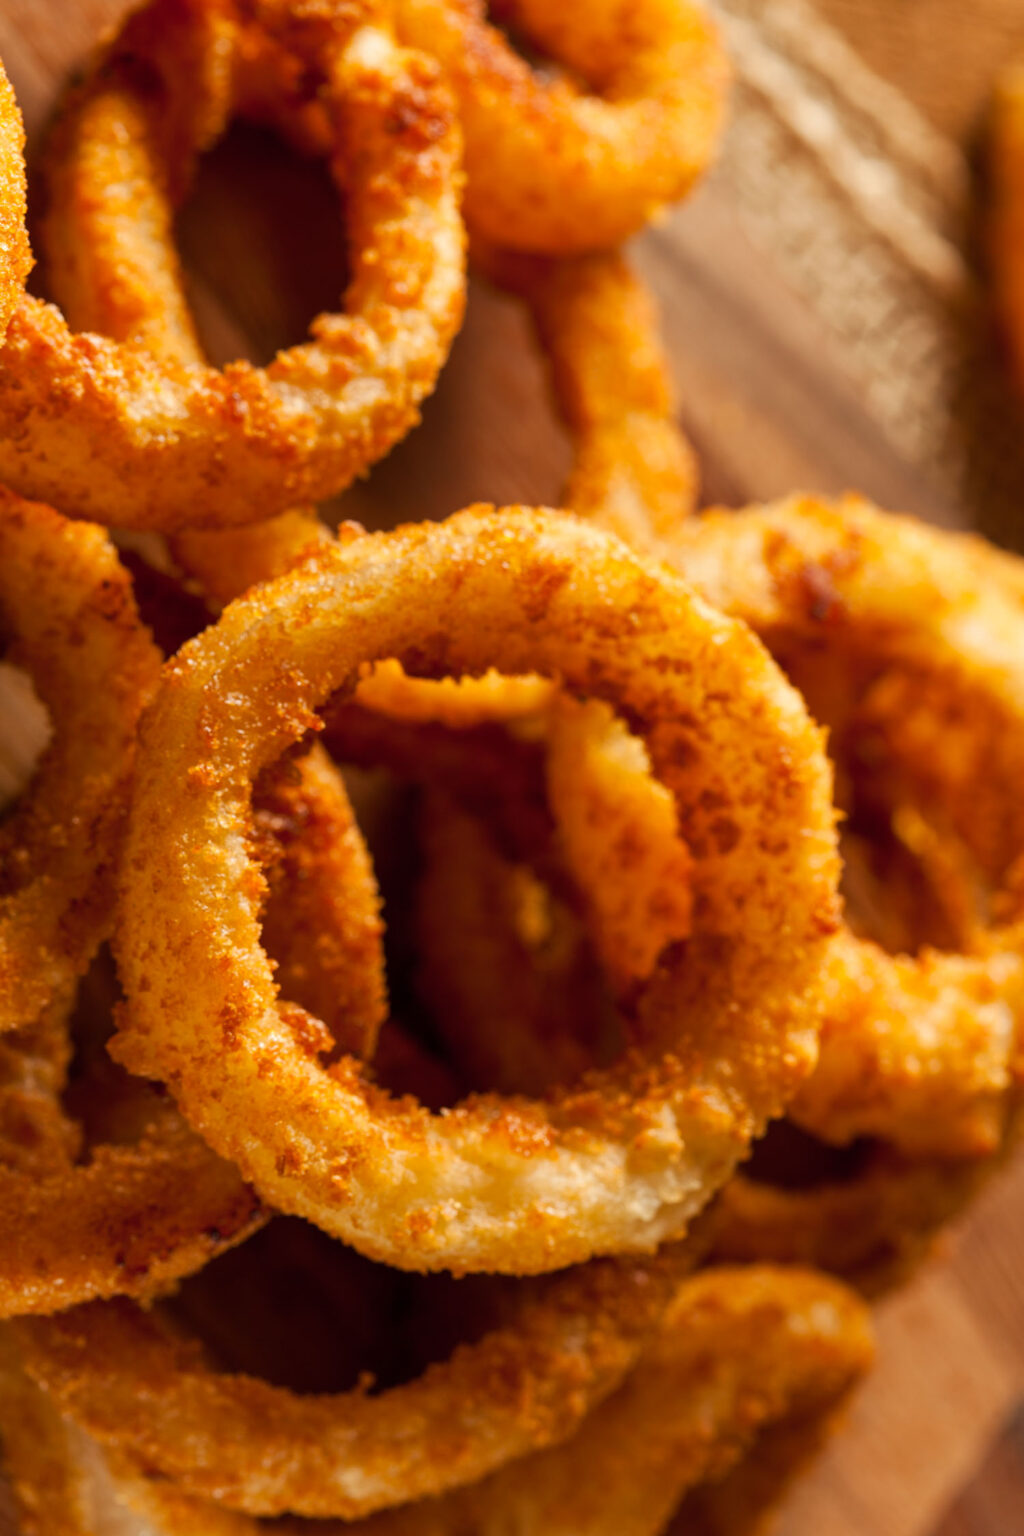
{"points": [[738, 1352], [68, 614], [124, 437], [566, 1342], [629, 1156], [582, 159], [618, 833], [15, 256], [916, 668]]}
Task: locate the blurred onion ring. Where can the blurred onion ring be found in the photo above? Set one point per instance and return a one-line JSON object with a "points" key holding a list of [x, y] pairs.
{"points": [[739, 1351], [598, 330], [15, 256], [873, 1227], [68, 614], [117, 435], [322, 920], [557, 167], [133, 1216], [128, 1222], [151, 1203], [915, 662], [725, 1033]]}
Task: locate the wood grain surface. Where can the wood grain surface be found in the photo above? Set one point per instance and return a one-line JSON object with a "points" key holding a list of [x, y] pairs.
{"points": [[934, 1444]]}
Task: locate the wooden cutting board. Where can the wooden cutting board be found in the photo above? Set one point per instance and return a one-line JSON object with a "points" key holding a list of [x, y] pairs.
{"points": [[934, 1445]]}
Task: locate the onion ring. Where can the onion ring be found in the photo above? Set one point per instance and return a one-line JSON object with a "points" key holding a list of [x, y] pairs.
{"points": [[15, 256], [923, 1051], [131, 1220], [618, 831], [567, 1342], [322, 921], [67, 606], [119, 436], [34, 1131], [554, 168], [504, 1184], [739, 1350]]}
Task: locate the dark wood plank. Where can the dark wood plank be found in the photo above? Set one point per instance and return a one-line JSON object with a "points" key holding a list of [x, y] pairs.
{"points": [[992, 1504]]}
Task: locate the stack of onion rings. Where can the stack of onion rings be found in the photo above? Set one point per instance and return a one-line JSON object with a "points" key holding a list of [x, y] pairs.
{"points": [[629, 856]]}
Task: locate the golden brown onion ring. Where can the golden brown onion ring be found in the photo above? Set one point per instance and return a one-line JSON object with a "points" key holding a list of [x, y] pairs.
{"points": [[728, 1030], [120, 436], [15, 256], [128, 1222], [566, 1342], [558, 168], [915, 664], [122, 1205], [67, 609], [739, 1350], [618, 833], [35, 1133], [322, 922]]}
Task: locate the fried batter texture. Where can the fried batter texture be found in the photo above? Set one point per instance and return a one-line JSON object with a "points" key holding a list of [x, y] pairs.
{"points": [[739, 1351], [15, 256], [584, 160], [69, 618], [918, 675], [564, 1344], [113, 432], [517, 1185]]}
